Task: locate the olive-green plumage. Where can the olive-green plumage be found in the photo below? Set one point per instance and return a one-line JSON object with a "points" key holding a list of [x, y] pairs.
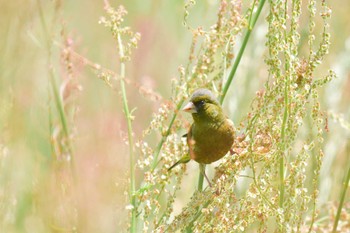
{"points": [[211, 134]]}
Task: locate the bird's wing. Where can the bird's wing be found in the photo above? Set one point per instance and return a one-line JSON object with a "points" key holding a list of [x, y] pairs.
{"points": [[191, 142]]}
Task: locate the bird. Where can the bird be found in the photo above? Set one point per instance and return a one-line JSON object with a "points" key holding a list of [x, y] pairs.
{"points": [[211, 135]]}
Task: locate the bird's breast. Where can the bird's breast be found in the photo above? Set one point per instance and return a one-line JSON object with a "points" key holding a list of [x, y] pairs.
{"points": [[210, 142]]}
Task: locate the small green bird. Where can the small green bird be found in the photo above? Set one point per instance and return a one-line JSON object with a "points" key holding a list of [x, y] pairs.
{"points": [[211, 135]]}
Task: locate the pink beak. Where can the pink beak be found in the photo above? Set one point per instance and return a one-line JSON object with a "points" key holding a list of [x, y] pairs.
{"points": [[190, 108]]}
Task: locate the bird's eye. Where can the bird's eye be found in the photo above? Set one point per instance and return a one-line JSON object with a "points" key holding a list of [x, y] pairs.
{"points": [[200, 103]]}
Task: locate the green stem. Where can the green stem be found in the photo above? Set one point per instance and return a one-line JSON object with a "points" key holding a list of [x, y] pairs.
{"points": [[56, 95], [283, 139], [284, 122], [342, 195], [255, 179], [164, 137], [198, 214], [59, 106], [51, 128], [48, 47], [201, 177], [132, 188], [252, 22]]}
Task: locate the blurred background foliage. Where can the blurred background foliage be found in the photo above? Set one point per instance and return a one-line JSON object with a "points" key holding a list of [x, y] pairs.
{"points": [[37, 195]]}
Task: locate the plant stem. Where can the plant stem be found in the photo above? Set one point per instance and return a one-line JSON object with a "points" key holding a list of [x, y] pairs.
{"points": [[200, 181], [56, 95], [201, 177], [283, 141], [198, 214], [59, 106], [63, 119], [342, 195], [284, 122], [160, 144], [133, 223], [252, 22]]}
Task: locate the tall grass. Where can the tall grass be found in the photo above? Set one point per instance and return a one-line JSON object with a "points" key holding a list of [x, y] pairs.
{"points": [[80, 156]]}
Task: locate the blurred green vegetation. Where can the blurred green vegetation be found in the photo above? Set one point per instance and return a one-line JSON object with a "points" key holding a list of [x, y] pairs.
{"points": [[38, 193]]}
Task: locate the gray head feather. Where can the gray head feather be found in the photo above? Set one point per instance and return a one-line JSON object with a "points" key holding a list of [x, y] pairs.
{"points": [[204, 92]]}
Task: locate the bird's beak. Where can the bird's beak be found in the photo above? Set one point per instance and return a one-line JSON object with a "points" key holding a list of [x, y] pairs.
{"points": [[190, 108]]}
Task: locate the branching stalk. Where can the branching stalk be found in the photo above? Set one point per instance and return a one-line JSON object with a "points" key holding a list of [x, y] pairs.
{"points": [[164, 137], [284, 122], [128, 116], [281, 161], [56, 95], [252, 22]]}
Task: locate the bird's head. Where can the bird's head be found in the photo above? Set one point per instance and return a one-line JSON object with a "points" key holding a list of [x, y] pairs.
{"points": [[204, 106]]}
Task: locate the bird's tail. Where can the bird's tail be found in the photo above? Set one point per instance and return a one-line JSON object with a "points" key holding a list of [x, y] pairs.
{"points": [[184, 159]]}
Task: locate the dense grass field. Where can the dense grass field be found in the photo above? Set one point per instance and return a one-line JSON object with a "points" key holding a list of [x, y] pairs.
{"points": [[90, 115]]}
